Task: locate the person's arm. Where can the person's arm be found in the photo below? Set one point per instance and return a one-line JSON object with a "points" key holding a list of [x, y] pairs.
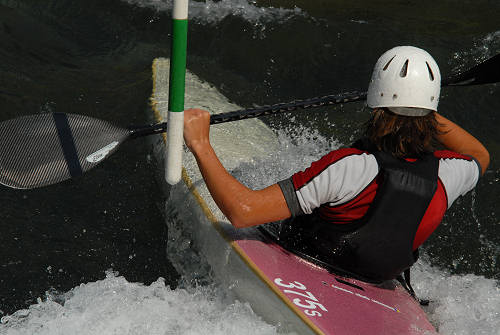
{"points": [[459, 140], [242, 206]]}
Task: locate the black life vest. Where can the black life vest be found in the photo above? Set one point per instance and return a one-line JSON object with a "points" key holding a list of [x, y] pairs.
{"points": [[379, 246]]}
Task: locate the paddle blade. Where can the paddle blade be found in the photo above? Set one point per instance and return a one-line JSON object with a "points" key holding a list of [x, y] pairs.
{"points": [[44, 149], [487, 72]]}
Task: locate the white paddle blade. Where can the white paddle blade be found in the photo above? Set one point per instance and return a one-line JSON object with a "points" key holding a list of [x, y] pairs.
{"points": [[44, 149]]}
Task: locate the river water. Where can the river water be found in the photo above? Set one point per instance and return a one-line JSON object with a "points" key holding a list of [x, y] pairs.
{"points": [[91, 254]]}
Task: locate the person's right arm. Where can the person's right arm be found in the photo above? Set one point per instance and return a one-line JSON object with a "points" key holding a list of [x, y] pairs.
{"points": [[243, 207], [457, 139]]}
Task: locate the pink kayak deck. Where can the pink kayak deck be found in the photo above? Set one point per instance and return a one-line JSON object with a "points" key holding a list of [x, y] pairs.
{"points": [[331, 304]]}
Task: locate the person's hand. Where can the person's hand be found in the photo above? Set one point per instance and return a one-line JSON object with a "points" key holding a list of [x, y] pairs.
{"points": [[196, 128]]}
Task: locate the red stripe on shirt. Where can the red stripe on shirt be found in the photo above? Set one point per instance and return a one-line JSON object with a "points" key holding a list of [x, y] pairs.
{"points": [[352, 210], [451, 154], [303, 177]]}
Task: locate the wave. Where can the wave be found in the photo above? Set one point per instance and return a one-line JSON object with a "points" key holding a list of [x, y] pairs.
{"points": [[115, 306]]}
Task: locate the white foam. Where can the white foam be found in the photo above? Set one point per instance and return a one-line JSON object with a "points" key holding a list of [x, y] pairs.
{"points": [[214, 11], [460, 304], [115, 306]]}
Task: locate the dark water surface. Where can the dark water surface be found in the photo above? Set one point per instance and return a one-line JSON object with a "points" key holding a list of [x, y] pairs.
{"points": [[94, 57], [81, 57]]}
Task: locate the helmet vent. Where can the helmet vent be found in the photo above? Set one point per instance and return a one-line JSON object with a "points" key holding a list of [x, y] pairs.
{"points": [[404, 69], [431, 75], [389, 62]]}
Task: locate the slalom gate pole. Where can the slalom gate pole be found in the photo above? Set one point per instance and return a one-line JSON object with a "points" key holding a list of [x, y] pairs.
{"points": [[173, 164]]}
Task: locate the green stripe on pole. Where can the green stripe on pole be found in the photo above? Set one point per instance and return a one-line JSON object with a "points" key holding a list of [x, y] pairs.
{"points": [[173, 163], [178, 66]]}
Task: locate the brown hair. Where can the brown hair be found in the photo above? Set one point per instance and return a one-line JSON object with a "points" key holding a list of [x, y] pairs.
{"points": [[402, 136]]}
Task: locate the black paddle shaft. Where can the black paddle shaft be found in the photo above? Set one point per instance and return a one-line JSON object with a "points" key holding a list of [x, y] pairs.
{"points": [[243, 114], [486, 72]]}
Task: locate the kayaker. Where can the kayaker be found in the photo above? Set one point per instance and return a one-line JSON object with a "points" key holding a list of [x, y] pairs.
{"points": [[366, 208]]}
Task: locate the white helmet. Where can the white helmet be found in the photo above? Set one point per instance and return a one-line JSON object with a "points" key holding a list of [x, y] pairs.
{"points": [[407, 81]]}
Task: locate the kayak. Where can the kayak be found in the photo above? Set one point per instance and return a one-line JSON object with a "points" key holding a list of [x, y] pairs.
{"points": [[290, 292]]}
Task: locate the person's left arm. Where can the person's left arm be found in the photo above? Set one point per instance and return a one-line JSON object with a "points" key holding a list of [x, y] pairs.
{"points": [[242, 206]]}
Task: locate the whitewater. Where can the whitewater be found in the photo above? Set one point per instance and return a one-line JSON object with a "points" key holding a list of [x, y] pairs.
{"points": [[460, 303]]}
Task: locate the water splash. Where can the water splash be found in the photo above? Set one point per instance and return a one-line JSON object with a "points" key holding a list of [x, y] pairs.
{"points": [[460, 304], [483, 48], [116, 306], [212, 12], [299, 146]]}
